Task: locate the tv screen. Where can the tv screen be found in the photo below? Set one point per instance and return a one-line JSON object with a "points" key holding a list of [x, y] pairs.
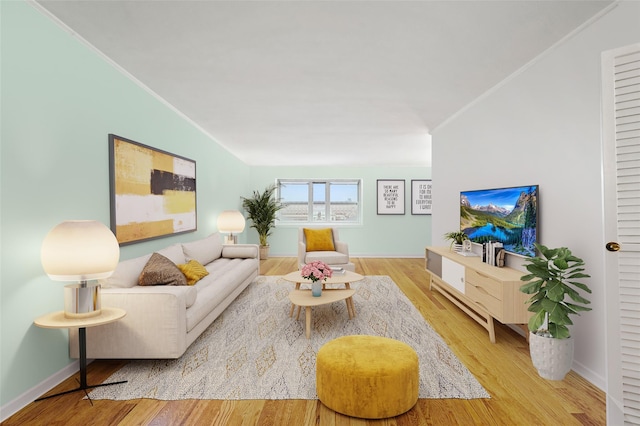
{"points": [[505, 215]]}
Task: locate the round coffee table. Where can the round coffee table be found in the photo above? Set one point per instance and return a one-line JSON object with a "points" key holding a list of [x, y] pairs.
{"points": [[345, 278], [307, 299]]}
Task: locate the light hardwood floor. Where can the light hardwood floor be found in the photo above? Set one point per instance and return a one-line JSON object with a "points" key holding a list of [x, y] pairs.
{"points": [[518, 395]]}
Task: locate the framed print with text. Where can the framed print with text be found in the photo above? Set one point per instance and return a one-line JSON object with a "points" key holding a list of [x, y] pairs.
{"points": [[420, 196], [390, 196]]}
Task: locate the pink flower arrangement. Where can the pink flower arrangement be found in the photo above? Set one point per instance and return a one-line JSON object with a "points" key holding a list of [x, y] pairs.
{"points": [[316, 271]]}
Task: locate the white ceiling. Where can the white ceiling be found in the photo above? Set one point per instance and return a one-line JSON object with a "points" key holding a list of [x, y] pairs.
{"points": [[355, 83]]}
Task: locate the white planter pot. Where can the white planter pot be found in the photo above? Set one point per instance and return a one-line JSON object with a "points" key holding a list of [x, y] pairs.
{"points": [[552, 357], [457, 247]]}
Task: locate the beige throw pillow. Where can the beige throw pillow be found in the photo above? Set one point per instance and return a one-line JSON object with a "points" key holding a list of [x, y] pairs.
{"points": [[161, 271]]}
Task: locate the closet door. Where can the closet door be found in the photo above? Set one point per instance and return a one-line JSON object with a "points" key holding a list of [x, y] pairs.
{"points": [[621, 174]]}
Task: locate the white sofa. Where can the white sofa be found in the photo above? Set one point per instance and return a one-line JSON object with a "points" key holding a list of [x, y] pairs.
{"points": [[162, 321]]}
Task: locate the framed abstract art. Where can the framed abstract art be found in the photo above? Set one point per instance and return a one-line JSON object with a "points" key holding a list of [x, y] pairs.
{"points": [[153, 192]]}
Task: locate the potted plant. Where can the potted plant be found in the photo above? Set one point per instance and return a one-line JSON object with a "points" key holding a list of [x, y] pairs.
{"points": [[552, 284], [456, 237], [261, 209]]}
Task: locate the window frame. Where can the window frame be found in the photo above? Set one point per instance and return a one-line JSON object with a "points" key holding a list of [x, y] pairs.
{"points": [[327, 197]]}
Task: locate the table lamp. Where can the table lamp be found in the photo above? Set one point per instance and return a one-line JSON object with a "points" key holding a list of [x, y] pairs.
{"points": [[80, 250], [231, 221]]}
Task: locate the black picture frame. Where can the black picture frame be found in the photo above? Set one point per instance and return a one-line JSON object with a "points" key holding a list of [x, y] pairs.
{"points": [[421, 196], [390, 196]]}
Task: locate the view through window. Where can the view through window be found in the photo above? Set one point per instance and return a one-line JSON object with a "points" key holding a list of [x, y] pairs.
{"points": [[320, 201]]}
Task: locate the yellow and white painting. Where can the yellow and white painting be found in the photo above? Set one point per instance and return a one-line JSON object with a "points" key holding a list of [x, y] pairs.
{"points": [[153, 193]]}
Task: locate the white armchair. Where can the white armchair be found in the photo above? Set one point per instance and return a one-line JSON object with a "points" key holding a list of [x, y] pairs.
{"points": [[324, 244]]}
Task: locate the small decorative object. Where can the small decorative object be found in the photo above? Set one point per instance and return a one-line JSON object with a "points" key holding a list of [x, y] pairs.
{"points": [[262, 209], [457, 238], [316, 272], [316, 289], [552, 277]]}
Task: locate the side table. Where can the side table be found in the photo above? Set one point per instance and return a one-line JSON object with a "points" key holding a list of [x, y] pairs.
{"points": [[58, 320]]}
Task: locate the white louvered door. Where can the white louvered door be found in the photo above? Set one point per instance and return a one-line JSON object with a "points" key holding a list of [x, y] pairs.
{"points": [[621, 172]]}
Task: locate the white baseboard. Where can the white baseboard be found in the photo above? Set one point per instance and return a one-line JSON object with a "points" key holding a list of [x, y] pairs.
{"points": [[589, 375], [30, 395]]}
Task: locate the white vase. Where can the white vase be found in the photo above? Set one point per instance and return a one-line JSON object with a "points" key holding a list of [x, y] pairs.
{"points": [[552, 357], [316, 289], [457, 247]]}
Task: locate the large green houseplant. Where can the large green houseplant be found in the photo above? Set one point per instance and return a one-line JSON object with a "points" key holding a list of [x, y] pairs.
{"points": [[555, 295], [261, 209]]}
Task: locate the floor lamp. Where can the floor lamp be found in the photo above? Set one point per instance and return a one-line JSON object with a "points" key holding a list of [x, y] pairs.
{"points": [[80, 250]]}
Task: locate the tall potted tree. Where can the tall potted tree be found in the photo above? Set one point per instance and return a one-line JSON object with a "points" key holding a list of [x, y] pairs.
{"points": [[552, 284], [261, 209]]}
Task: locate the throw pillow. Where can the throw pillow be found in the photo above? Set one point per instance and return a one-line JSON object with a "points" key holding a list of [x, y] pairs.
{"points": [[193, 271], [205, 250], [161, 271], [319, 239]]}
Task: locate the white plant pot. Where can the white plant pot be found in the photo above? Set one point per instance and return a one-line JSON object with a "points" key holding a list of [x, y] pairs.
{"points": [[552, 357], [457, 247]]}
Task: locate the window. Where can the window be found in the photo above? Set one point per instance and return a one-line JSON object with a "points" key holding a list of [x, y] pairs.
{"points": [[320, 201]]}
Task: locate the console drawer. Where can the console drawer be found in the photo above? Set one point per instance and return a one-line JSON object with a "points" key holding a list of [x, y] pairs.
{"points": [[488, 285], [484, 299]]}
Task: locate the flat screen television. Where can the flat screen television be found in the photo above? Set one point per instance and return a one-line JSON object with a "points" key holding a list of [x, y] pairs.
{"points": [[505, 215]]}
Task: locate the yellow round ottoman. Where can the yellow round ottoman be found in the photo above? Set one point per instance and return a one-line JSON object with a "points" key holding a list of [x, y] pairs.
{"points": [[367, 376]]}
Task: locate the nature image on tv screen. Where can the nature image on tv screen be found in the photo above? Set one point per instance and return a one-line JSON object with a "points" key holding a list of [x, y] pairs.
{"points": [[506, 215]]}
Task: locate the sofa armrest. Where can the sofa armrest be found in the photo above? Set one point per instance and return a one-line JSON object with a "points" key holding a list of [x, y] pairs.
{"points": [[240, 251], [154, 327], [342, 247], [302, 253]]}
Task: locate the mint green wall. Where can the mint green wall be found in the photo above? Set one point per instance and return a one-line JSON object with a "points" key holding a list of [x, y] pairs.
{"points": [[379, 235], [60, 100]]}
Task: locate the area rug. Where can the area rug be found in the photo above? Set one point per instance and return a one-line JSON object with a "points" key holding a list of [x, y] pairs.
{"points": [[254, 350]]}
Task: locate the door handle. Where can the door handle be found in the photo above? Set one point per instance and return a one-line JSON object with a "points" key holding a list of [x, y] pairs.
{"points": [[612, 246]]}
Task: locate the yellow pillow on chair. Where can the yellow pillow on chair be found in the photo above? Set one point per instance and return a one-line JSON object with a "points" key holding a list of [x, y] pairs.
{"points": [[319, 239]]}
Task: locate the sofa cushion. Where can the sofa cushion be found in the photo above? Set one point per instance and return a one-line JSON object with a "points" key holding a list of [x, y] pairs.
{"points": [[193, 271], [174, 253], [161, 271], [319, 239], [224, 278], [126, 274], [328, 257], [205, 250]]}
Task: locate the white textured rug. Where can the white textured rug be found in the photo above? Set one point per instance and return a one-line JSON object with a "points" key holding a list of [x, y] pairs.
{"points": [[254, 350]]}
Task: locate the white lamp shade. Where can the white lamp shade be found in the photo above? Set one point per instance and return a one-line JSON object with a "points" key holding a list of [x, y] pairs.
{"points": [[79, 250], [231, 221]]}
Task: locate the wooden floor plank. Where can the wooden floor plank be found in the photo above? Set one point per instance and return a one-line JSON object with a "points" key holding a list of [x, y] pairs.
{"points": [[518, 395]]}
